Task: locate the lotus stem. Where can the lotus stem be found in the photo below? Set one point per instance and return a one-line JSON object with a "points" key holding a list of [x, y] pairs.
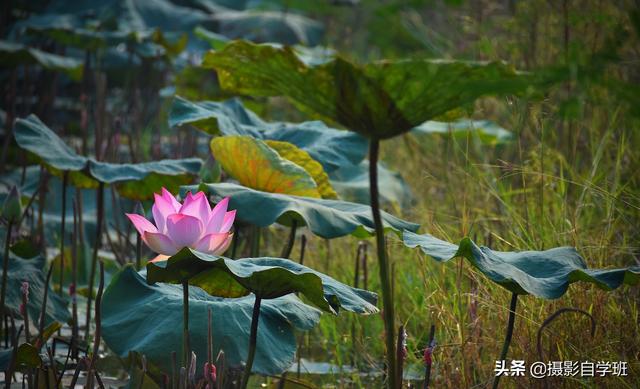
{"points": [[286, 251], [5, 270], [74, 280], [43, 309], [427, 357], [554, 316], [65, 180], [186, 348], [98, 319], [94, 259], [400, 352], [253, 337], [507, 339], [303, 245], [383, 264]]}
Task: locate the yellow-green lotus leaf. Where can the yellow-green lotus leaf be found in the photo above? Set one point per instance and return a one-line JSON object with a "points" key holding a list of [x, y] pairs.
{"points": [[303, 159], [256, 165]]}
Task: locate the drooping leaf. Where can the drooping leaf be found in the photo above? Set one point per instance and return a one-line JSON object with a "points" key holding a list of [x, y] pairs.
{"points": [[301, 158], [136, 181], [265, 277], [148, 319], [546, 274], [325, 218], [32, 271], [378, 100], [33, 135], [488, 132], [15, 54], [352, 184], [332, 148], [257, 166], [141, 180]]}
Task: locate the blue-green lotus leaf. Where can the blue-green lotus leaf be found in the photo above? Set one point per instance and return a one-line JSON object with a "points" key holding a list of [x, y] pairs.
{"points": [[33, 135], [351, 182], [487, 131], [265, 277], [268, 26], [136, 181], [379, 99], [147, 319], [32, 270], [325, 218], [332, 148], [14, 54], [546, 274]]}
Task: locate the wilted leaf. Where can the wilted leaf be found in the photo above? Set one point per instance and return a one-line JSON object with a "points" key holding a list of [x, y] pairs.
{"points": [[148, 319], [325, 218], [301, 158], [257, 166], [546, 274]]}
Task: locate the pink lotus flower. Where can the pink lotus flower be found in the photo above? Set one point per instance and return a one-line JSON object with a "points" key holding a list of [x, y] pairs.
{"points": [[191, 224]]}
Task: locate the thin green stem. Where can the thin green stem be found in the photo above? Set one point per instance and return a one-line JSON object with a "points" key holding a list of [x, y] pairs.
{"points": [[186, 347], [253, 337], [286, 250], [5, 270], [98, 319], [383, 264], [65, 179], [507, 339], [94, 259]]}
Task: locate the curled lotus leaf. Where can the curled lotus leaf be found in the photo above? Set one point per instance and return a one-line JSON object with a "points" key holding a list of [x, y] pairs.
{"points": [[546, 274]]}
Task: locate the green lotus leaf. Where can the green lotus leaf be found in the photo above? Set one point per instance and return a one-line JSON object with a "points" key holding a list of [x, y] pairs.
{"points": [[33, 135], [379, 100], [136, 181], [325, 218], [352, 184], [265, 277], [269, 26], [546, 274], [147, 319], [14, 54], [488, 132], [258, 166], [141, 180], [31, 270], [301, 158], [332, 148]]}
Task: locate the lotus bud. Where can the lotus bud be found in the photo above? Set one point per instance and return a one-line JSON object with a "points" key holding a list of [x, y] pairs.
{"points": [[12, 208], [210, 371]]}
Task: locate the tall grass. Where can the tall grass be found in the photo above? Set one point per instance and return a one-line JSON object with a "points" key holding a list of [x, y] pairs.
{"points": [[569, 177]]}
